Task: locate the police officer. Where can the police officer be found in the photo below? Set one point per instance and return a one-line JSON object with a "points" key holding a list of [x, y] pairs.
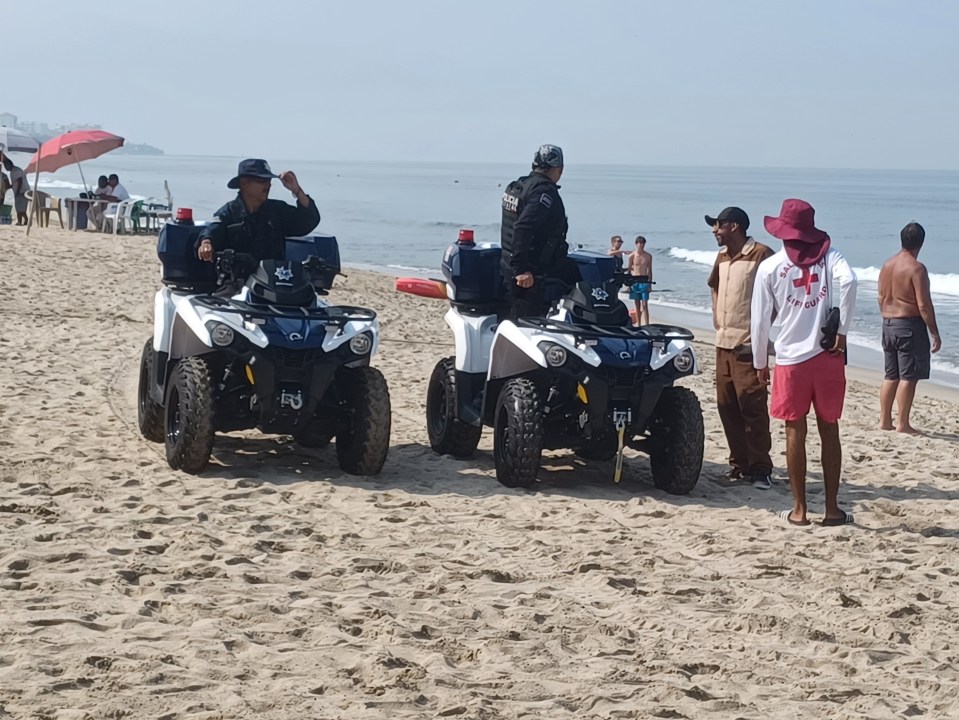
{"points": [[533, 235], [252, 223]]}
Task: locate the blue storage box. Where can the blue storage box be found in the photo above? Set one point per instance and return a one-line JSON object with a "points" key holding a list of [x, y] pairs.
{"points": [[182, 269], [594, 267], [473, 272]]}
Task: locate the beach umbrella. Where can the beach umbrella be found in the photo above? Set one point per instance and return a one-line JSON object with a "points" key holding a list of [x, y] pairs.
{"points": [[13, 140], [69, 148]]}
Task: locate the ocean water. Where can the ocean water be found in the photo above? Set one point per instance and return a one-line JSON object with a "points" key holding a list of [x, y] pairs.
{"points": [[401, 216]]}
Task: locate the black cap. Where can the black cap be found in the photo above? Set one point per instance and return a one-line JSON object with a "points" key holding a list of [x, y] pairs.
{"points": [[253, 168], [548, 156], [730, 214]]}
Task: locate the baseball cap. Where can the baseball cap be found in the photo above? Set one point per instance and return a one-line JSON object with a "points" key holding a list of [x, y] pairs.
{"points": [[730, 214]]}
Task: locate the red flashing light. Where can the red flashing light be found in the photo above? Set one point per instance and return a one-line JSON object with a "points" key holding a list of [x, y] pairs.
{"points": [[184, 214], [465, 237]]}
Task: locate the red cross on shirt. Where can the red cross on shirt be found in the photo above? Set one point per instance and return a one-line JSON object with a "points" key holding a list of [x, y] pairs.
{"points": [[806, 281]]}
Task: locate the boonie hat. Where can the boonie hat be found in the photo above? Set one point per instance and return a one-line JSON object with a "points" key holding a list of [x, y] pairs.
{"points": [[805, 244], [251, 167], [548, 156], [730, 214]]}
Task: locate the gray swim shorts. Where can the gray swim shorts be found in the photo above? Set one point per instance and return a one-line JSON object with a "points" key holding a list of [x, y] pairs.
{"points": [[906, 348]]}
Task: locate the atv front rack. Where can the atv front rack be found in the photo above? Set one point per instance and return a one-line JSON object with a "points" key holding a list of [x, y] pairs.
{"points": [[655, 333], [332, 314]]}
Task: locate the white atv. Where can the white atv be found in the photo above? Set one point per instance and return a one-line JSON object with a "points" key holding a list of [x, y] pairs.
{"points": [[581, 378], [274, 356]]}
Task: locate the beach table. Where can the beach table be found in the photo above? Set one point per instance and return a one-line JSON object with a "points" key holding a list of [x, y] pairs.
{"points": [[74, 207], [156, 217]]}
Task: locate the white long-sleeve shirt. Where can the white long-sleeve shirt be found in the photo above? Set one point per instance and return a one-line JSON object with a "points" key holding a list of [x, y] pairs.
{"points": [[800, 304]]}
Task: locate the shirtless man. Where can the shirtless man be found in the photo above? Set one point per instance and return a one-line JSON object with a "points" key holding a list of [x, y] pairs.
{"points": [[641, 268], [908, 319]]}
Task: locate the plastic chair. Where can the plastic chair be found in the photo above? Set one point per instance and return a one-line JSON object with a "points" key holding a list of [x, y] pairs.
{"points": [[54, 204], [116, 215], [136, 214], [43, 204]]}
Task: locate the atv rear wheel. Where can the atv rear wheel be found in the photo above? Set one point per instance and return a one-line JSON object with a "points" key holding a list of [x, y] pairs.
{"points": [[677, 440], [518, 434], [363, 438], [448, 435], [149, 413], [189, 416]]}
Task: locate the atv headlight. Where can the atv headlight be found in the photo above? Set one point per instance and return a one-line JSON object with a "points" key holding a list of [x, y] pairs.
{"points": [[555, 354], [221, 335], [361, 344], [684, 361]]}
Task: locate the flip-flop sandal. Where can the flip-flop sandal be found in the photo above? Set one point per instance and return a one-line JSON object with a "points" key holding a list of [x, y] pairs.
{"points": [[846, 519], [784, 515]]}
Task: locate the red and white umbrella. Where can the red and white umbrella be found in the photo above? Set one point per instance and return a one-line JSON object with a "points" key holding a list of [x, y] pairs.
{"points": [[69, 148]]}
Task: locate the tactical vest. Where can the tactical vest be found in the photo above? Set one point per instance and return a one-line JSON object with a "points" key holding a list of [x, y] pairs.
{"points": [[549, 246]]}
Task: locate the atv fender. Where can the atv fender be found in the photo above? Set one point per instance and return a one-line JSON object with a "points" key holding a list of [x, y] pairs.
{"points": [[473, 336], [516, 350], [662, 355]]}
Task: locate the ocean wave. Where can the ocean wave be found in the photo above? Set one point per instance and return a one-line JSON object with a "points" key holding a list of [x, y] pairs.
{"points": [[939, 283], [410, 268], [698, 257], [60, 184], [462, 226]]}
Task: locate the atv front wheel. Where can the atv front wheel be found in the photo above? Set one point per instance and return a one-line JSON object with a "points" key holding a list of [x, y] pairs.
{"points": [[602, 448], [677, 440], [149, 413], [363, 439], [189, 416], [448, 435], [518, 434], [316, 433]]}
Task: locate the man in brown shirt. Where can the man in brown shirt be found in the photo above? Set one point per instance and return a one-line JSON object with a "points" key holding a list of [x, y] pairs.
{"points": [[908, 319], [740, 396]]}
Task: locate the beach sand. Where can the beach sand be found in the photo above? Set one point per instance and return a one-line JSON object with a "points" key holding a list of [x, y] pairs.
{"points": [[274, 586]]}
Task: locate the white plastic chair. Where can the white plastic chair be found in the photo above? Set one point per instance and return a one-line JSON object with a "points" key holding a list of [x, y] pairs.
{"points": [[118, 214]]}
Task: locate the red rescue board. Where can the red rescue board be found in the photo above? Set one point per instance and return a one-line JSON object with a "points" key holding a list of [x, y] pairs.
{"points": [[435, 289]]}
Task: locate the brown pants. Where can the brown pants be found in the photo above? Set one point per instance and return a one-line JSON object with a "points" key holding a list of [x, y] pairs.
{"points": [[742, 408]]}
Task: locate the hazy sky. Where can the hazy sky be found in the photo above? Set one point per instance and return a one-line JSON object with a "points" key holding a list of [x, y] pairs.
{"points": [[820, 83]]}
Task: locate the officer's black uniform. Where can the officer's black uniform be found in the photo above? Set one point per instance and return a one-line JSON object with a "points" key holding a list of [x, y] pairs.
{"points": [[261, 234], [533, 238]]}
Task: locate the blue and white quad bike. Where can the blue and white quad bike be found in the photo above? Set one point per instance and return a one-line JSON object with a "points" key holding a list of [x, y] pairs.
{"points": [[274, 356], [582, 378]]}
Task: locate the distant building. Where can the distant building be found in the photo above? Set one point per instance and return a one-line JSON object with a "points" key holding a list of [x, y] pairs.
{"points": [[8, 119]]}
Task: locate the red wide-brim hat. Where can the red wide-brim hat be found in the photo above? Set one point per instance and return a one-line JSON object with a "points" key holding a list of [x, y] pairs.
{"points": [[804, 243]]}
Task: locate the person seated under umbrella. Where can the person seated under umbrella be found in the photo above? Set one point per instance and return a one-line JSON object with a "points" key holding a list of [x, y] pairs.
{"points": [[253, 223]]}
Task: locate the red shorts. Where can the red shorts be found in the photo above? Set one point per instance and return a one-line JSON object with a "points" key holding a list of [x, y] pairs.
{"points": [[819, 381]]}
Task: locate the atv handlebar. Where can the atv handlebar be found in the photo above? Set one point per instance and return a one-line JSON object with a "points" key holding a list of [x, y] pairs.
{"points": [[230, 263]]}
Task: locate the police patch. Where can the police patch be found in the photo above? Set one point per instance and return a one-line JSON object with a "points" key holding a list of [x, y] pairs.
{"points": [[546, 200]]}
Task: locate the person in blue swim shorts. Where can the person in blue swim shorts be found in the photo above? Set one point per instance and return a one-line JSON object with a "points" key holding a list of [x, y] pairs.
{"points": [[641, 268]]}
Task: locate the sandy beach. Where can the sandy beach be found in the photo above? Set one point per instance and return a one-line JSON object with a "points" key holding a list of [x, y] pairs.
{"points": [[274, 586]]}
